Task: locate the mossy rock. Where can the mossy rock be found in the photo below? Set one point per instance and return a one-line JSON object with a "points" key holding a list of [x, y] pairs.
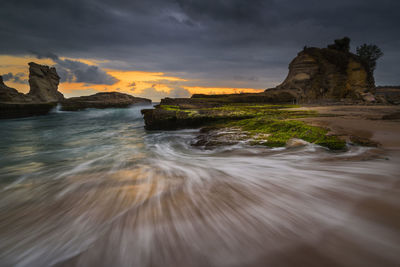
{"points": [[268, 125]]}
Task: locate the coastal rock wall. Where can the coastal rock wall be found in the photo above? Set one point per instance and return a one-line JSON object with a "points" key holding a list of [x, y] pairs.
{"points": [[327, 75], [43, 82]]}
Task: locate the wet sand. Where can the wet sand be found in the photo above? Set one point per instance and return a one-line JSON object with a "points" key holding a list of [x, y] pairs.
{"points": [[365, 122]]}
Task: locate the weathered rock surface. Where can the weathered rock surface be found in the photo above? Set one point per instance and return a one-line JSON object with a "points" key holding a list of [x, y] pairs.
{"points": [[42, 97], [319, 75], [295, 142], [11, 95], [161, 119], [102, 100], [43, 81], [210, 137], [21, 110], [14, 104], [164, 119]]}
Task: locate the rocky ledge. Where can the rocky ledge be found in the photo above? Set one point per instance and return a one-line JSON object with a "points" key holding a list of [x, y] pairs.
{"points": [[102, 100], [21, 110], [255, 124]]}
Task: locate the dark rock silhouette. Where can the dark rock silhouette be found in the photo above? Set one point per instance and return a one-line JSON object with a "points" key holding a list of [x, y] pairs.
{"points": [[102, 100], [8, 94]]}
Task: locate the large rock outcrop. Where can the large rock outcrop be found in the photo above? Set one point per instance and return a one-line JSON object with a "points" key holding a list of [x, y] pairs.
{"points": [[102, 100], [43, 81], [319, 75]]}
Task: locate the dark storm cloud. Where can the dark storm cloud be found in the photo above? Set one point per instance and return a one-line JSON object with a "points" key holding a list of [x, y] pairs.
{"points": [[17, 78], [217, 39], [77, 71]]}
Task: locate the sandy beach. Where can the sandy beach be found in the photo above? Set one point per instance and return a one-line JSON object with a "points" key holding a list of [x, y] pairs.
{"points": [[360, 121]]}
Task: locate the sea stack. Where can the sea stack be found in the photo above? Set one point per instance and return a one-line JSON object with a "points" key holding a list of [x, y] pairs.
{"points": [[43, 81]]}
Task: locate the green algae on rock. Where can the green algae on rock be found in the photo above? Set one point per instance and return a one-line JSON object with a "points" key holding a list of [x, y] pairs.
{"points": [[269, 125], [281, 131]]}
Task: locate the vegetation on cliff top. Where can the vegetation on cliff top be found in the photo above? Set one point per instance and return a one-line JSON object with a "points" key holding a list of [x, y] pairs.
{"points": [[369, 54]]}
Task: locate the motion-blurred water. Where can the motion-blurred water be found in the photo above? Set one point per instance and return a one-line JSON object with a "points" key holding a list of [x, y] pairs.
{"points": [[92, 188]]}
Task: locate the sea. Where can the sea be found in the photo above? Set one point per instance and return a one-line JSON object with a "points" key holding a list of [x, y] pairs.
{"points": [[94, 188]]}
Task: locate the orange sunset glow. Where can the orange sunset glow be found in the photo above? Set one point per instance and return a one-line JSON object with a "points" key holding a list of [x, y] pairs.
{"points": [[154, 85]]}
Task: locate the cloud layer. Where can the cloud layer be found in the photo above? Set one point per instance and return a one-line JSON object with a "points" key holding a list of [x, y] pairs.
{"points": [[17, 78], [77, 71], [234, 43]]}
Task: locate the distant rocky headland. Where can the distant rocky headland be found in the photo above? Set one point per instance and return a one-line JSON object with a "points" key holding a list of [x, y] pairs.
{"points": [[318, 76], [43, 96], [102, 100]]}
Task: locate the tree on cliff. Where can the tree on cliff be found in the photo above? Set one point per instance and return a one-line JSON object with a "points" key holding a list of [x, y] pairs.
{"points": [[341, 44], [369, 54]]}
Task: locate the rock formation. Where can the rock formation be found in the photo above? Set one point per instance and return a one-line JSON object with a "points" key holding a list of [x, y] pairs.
{"points": [[14, 104], [11, 95], [102, 100], [319, 75], [43, 82]]}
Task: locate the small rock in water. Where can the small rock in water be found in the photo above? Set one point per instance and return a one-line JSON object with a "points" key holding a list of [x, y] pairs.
{"points": [[213, 137], [294, 142]]}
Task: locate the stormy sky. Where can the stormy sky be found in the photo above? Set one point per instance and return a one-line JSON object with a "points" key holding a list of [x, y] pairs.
{"points": [[214, 43]]}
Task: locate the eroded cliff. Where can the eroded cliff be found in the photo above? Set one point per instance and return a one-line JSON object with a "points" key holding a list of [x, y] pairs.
{"points": [[327, 75], [43, 82]]}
